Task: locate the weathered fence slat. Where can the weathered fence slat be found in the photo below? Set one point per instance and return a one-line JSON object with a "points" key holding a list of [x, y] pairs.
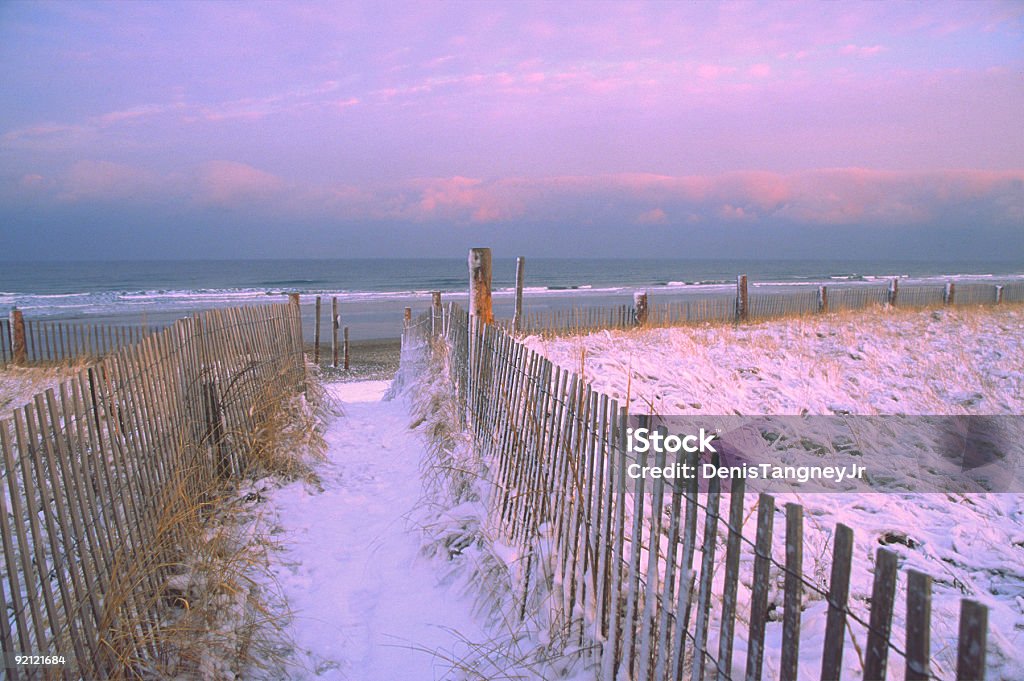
{"points": [[707, 567], [883, 592], [759, 593], [970, 654], [919, 617], [838, 592], [732, 578]]}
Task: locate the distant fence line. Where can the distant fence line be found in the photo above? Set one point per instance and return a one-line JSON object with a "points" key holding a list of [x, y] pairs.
{"points": [[745, 305], [98, 474], [622, 551], [36, 342]]}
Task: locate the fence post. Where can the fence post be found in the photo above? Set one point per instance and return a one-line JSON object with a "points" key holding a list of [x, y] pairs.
{"points": [[480, 284], [297, 344], [407, 318], [882, 592], [838, 595], [790, 659], [335, 323], [973, 635], [517, 318], [894, 290], [19, 353], [640, 309], [919, 619], [822, 299], [435, 311], [999, 293], [316, 335], [742, 308], [346, 348], [215, 428], [949, 295], [480, 312]]}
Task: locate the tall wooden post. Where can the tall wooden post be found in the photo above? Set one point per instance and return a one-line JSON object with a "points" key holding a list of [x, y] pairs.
{"points": [[316, 335], [742, 307], [297, 344], [999, 294], [346, 348], [435, 312], [822, 299], [335, 324], [894, 291], [19, 351], [517, 318], [949, 295], [480, 311], [640, 309], [480, 284]]}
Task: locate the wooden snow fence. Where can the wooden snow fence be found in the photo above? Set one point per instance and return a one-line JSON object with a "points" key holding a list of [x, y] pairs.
{"points": [[744, 306], [47, 343], [96, 471], [648, 575]]}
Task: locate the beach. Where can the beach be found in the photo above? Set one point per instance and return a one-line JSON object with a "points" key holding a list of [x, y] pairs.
{"points": [[369, 360], [861, 364]]}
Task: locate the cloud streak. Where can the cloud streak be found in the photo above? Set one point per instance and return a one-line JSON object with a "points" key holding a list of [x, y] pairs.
{"points": [[825, 198]]}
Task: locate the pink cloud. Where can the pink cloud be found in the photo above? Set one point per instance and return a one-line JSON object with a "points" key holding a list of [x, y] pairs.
{"points": [[760, 70], [105, 180], [461, 199], [714, 71], [32, 181], [227, 182], [861, 51], [655, 216]]}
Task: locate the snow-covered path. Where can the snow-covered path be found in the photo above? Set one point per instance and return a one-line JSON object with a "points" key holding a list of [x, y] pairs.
{"points": [[365, 604]]}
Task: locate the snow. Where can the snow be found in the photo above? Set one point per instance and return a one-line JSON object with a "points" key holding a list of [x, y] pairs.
{"points": [[19, 385], [882, 362], [366, 604]]}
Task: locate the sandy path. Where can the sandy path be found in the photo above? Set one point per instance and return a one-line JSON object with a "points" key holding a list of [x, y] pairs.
{"points": [[366, 605]]}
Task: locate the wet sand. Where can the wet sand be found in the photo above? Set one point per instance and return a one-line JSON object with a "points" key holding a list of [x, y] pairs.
{"points": [[369, 360]]}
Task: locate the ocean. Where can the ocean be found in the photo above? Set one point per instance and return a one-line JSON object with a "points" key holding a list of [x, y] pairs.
{"points": [[373, 292]]}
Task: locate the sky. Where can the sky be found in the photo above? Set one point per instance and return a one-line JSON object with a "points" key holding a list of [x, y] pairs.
{"points": [[292, 129]]}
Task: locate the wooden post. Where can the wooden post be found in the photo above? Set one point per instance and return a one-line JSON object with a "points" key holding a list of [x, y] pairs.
{"points": [[949, 295], [435, 312], [407, 318], [19, 352], [742, 308], [838, 595], [335, 323], [640, 309], [894, 291], [297, 343], [999, 294], [793, 593], [346, 348], [517, 318], [822, 299], [973, 635], [882, 592], [919, 618], [480, 284], [215, 428], [316, 335]]}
